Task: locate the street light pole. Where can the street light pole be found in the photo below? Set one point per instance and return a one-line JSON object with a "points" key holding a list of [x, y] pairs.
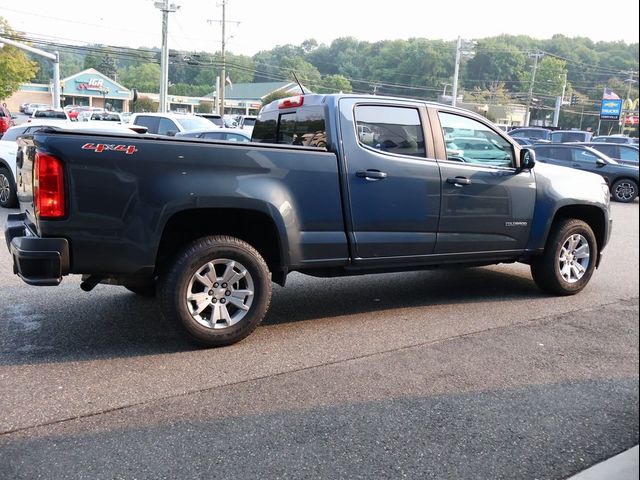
{"points": [[54, 57]]}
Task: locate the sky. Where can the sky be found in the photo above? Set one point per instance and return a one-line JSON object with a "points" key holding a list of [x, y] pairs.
{"points": [[255, 25]]}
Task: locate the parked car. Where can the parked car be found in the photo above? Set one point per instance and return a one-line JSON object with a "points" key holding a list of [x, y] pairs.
{"points": [[622, 179], [615, 139], [228, 134], [48, 116], [532, 133], [32, 107], [8, 149], [76, 110], [478, 150], [563, 136], [6, 119], [102, 116], [528, 141], [169, 123], [621, 153], [247, 122], [214, 118]]}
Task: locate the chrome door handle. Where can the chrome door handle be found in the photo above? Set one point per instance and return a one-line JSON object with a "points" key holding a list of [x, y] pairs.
{"points": [[459, 181], [371, 175]]}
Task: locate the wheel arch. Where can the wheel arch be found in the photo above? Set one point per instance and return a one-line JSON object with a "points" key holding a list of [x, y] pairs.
{"points": [[255, 227], [591, 215]]}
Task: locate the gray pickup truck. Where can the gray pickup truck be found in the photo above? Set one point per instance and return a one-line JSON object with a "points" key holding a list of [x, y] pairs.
{"points": [[330, 185]]}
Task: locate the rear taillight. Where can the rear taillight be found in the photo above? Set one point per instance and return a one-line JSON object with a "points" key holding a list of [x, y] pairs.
{"points": [[291, 102], [48, 187]]}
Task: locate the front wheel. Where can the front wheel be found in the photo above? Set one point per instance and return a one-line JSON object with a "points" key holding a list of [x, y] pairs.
{"points": [[569, 258], [218, 289], [624, 190]]}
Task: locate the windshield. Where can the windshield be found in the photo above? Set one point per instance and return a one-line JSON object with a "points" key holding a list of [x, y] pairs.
{"points": [[194, 123]]}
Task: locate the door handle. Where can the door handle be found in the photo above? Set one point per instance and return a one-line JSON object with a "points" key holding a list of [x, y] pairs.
{"points": [[371, 175], [459, 181]]}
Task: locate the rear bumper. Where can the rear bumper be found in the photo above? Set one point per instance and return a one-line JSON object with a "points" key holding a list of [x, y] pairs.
{"points": [[37, 261]]}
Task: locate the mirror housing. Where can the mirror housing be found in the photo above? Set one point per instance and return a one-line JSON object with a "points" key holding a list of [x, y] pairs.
{"points": [[527, 159], [600, 162], [172, 133]]}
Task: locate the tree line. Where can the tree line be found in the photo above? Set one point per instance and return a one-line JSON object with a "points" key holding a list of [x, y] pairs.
{"points": [[498, 70]]}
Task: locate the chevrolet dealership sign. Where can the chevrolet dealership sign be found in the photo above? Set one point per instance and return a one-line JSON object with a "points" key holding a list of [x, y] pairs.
{"points": [[610, 109]]}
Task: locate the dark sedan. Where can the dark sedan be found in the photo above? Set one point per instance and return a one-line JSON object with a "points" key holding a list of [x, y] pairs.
{"points": [[622, 179], [621, 153]]}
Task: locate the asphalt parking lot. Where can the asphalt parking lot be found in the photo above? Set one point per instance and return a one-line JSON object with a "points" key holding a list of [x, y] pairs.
{"points": [[460, 374]]}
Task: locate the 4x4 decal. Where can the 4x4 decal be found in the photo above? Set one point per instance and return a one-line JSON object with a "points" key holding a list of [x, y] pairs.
{"points": [[101, 147]]}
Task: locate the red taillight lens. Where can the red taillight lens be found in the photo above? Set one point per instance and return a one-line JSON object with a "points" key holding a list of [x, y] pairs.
{"points": [[48, 187], [291, 102]]}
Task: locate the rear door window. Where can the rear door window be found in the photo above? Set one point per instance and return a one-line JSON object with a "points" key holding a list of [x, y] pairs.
{"points": [[390, 129]]}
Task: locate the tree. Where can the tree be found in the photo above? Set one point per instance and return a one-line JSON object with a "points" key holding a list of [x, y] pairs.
{"points": [[145, 77], [144, 104], [15, 67], [107, 66], [335, 84], [278, 94]]}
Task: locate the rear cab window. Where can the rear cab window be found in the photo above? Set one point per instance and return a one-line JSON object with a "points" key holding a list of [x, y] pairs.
{"points": [[303, 126]]}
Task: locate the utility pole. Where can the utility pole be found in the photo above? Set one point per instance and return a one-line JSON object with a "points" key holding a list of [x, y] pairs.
{"points": [[536, 55], [223, 74], [463, 47], [456, 70], [54, 57], [166, 8], [559, 100], [223, 83]]}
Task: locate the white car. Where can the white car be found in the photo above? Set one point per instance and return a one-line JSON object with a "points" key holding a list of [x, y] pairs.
{"points": [[49, 116], [102, 116], [8, 150], [32, 107], [169, 123]]}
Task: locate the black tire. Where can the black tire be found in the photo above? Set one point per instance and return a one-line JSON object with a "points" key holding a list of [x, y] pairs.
{"points": [[143, 289], [624, 190], [8, 196], [546, 268], [222, 252]]}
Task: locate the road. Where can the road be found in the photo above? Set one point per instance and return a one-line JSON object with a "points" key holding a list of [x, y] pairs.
{"points": [[466, 374]]}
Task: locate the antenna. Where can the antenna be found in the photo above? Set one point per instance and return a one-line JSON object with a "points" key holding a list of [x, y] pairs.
{"points": [[298, 81]]}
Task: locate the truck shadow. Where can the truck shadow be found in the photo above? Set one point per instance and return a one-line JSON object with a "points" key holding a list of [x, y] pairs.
{"points": [[62, 324]]}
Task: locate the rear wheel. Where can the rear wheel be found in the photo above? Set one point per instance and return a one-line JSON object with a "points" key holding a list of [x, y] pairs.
{"points": [[569, 258], [8, 198], [218, 289], [624, 190]]}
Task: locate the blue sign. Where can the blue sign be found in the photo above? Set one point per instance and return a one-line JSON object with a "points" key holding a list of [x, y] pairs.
{"points": [[610, 109]]}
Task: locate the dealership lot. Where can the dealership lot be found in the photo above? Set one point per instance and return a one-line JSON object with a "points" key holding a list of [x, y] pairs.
{"points": [[442, 374]]}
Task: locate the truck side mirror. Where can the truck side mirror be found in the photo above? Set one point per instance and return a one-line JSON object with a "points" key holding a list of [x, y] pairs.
{"points": [[527, 159]]}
